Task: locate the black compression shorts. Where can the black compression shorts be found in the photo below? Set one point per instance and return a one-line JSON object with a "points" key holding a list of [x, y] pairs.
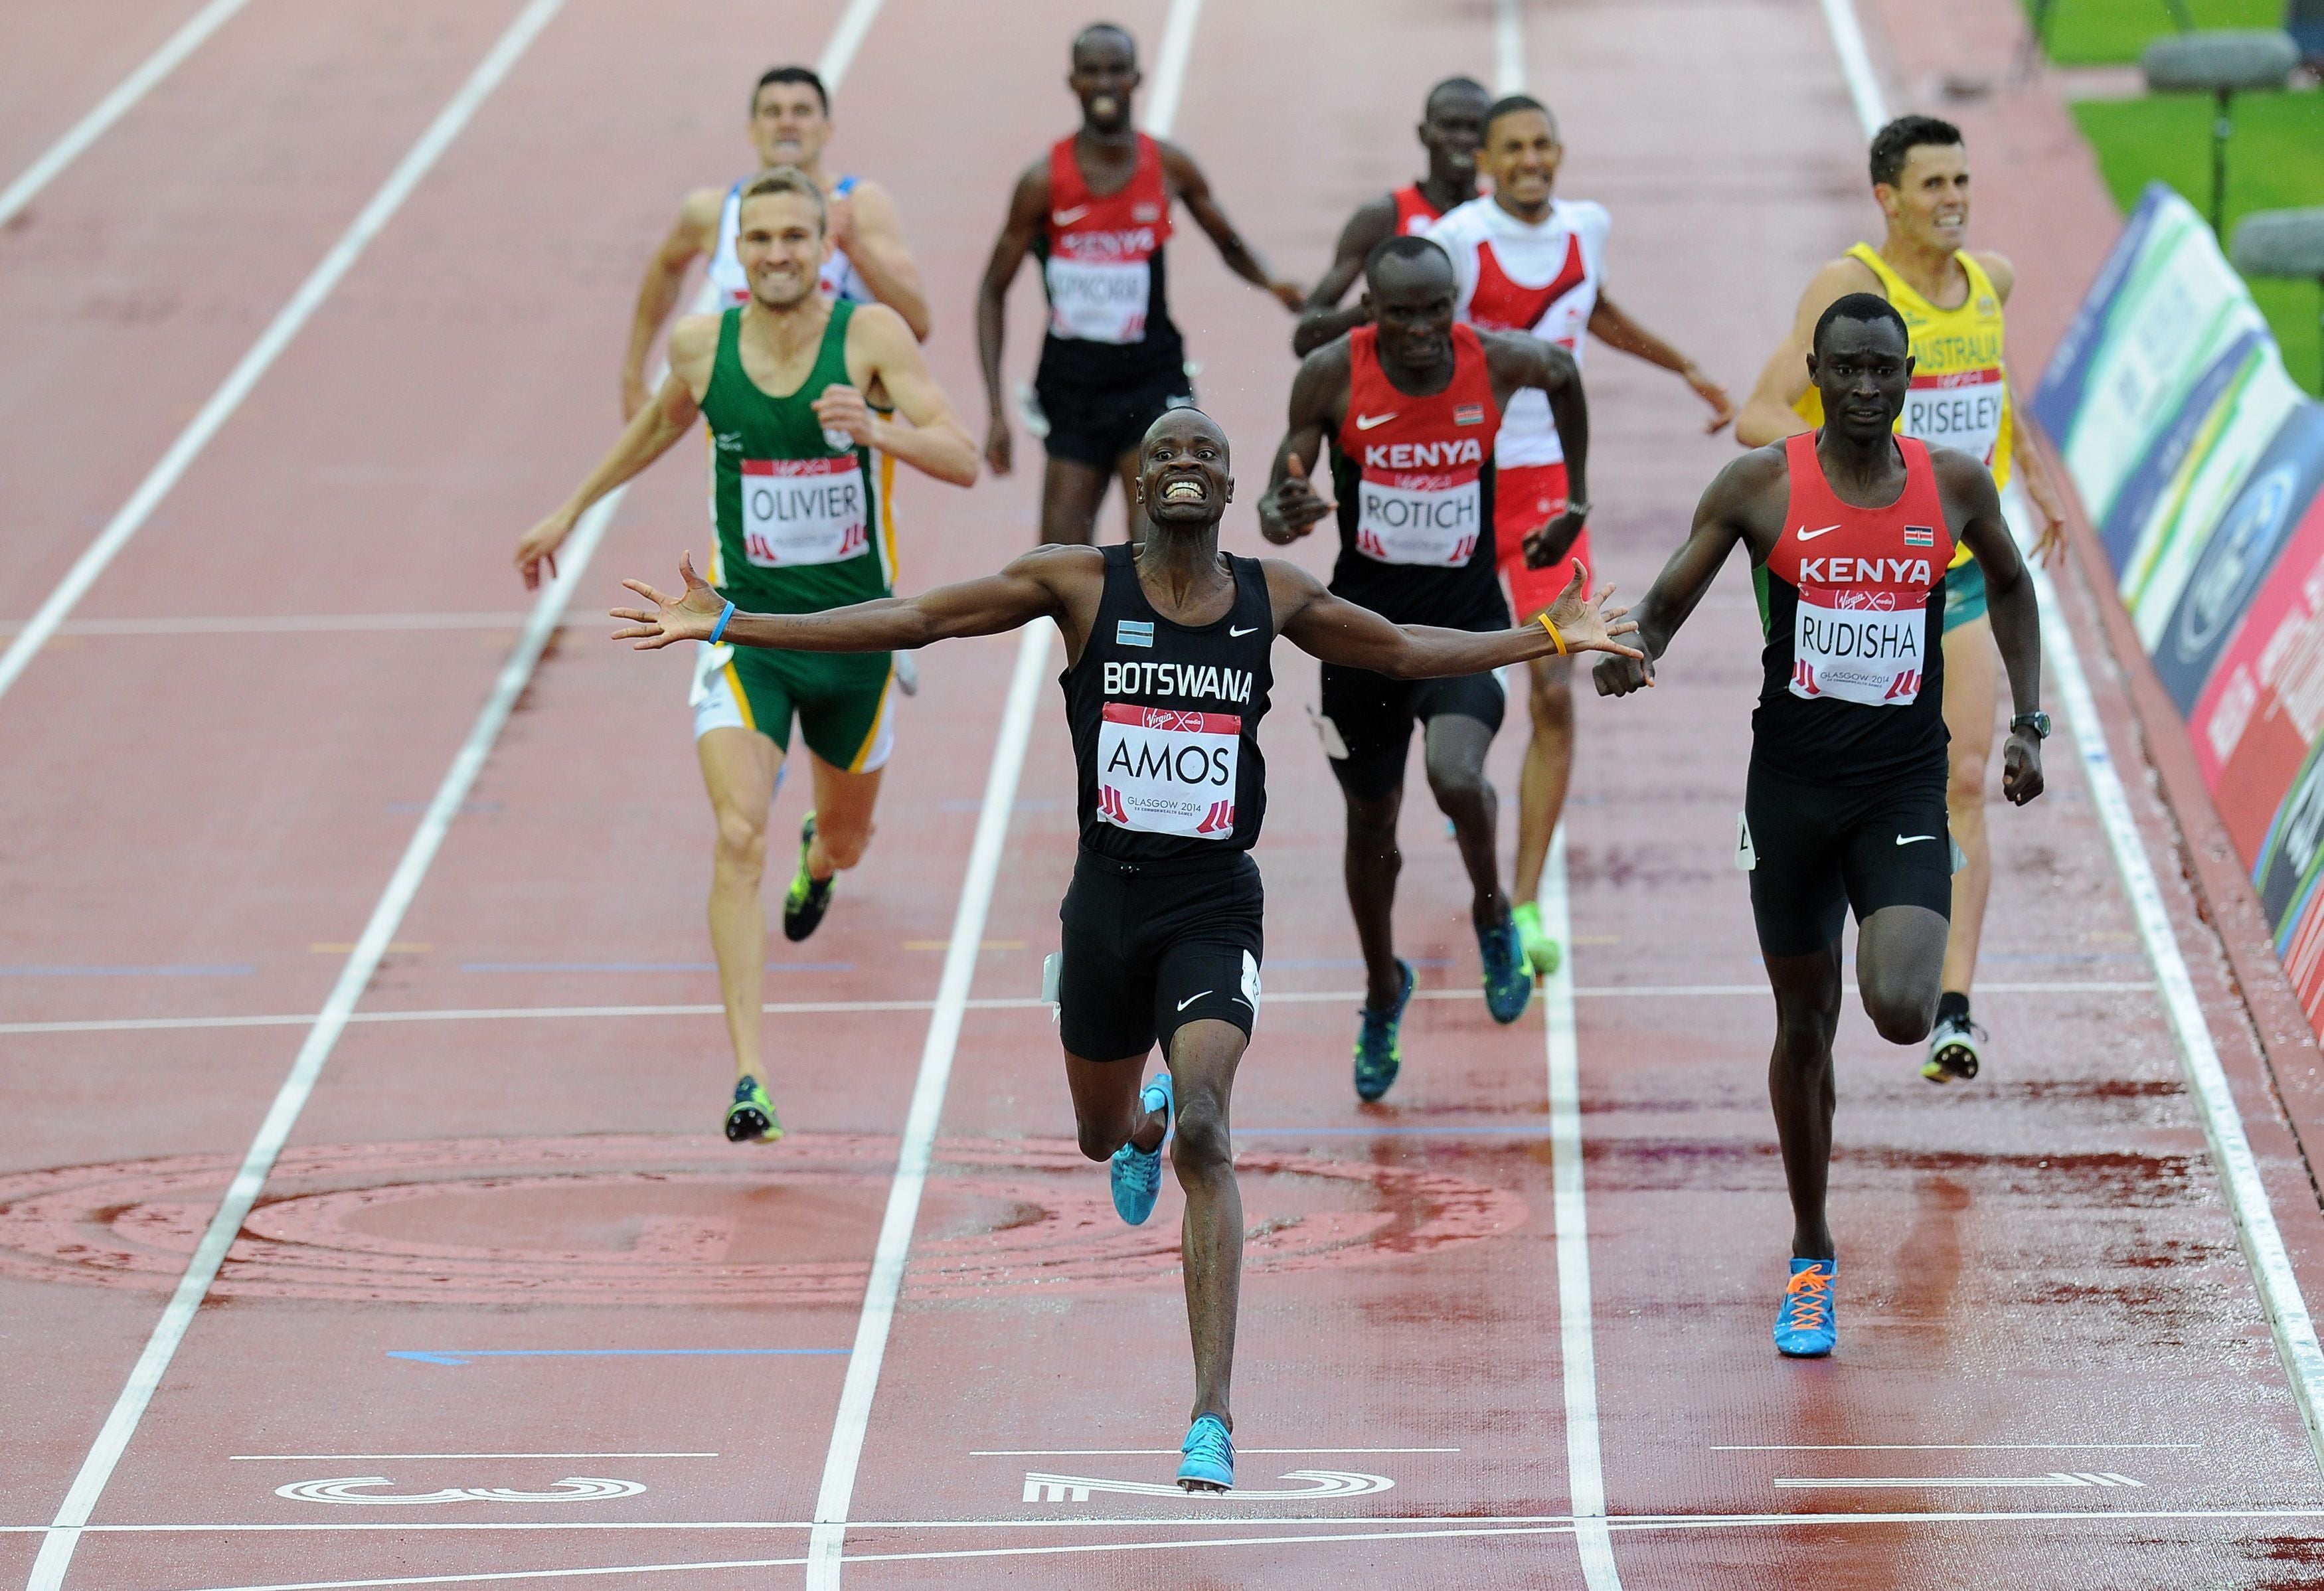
{"points": [[1815, 850], [1368, 721], [1147, 950], [1096, 425]]}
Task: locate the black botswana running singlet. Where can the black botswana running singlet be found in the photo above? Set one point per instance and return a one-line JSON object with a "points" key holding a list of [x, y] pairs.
{"points": [[1165, 722]]}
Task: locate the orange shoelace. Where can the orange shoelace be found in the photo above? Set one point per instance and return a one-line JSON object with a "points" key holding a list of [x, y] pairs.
{"points": [[1807, 1300]]}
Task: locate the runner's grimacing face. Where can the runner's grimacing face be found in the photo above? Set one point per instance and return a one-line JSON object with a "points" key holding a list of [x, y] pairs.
{"points": [[1452, 133], [1182, 471], [1412, 305], [1105, 75], [788, 126], [1521, 156], [1928, 200], [779, 239], [1861, 370]]}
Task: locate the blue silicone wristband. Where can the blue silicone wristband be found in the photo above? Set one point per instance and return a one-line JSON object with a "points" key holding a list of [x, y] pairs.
{"points": [[720, 627]]}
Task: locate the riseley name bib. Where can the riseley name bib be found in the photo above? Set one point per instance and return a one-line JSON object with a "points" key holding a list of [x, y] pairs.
{"points": [[1962, 410], [803, 510], [1862, 644], [1165, 772]]}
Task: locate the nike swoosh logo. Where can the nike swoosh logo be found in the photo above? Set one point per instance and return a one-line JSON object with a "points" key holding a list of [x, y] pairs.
{"points": [[1806, 534], [1366, 421], [1190, 999], [1067, 218], [1244, 631], [1906, 839]]}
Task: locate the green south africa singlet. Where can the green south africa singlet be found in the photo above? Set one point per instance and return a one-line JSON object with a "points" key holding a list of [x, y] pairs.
{"points": [[801, 512]]}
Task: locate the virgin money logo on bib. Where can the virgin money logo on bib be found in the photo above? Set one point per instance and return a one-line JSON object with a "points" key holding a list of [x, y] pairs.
{"points": [[1858, 646], [803, 510], [1160, 772]]}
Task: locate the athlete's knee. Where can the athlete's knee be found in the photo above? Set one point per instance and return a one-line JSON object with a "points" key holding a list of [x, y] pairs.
{"points": [[1901, 1012], [742, 841], [1965, 779], [844, 847], [1203, 1144], [1098, 1140], [1457, 782], [1371, 824], [1551, 700]]}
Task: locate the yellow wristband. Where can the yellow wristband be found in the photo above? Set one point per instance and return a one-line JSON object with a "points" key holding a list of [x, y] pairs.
{"points": [[1557, 639]]}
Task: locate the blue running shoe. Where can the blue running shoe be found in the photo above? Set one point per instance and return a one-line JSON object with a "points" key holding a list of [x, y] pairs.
{"points": [[1137, 1172], [1804, 1325], [1380, 1053], [1508, 972], [1209, 1462]]}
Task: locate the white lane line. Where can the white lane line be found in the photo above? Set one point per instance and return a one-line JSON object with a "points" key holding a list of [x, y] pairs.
{"points": [[846, 38], [120, 1425], [2056, 1478], [282, 625], [1509, 47], [151, 1024], [1173, 1452], [845, 1453], [1956, 1446], [115, 106], [368, 1458], [1577, 1344], [206, 424], [2263, 1242], [1170, 63]]}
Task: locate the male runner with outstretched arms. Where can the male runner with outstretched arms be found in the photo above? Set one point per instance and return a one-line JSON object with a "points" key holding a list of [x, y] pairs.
{"points": [[1951, 301], [1410, 406], [799, 501], [1849, 530], [1167, 679], [1529, 260], [1096, 210], [1451, 126]]}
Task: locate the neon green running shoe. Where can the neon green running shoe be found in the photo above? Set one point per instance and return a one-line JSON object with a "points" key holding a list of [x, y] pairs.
{"points": [[808, 898], [1542, 953], [752, 1118]]}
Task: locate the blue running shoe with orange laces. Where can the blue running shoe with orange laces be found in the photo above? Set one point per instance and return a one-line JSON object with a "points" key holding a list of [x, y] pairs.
{"points": [[1804, 1325], [1508, 971], [1207, 1463], [1137, 1172]]}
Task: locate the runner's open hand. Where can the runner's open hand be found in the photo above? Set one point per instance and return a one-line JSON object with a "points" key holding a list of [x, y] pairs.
{"points": [[538, 549], [1291, 510], [1585, 623], [690, 616], [843, 408], [1551, 544], [1722, 409], [2021, 767]]}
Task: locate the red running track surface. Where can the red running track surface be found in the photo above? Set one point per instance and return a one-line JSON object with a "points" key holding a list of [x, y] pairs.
{"points": [[515, 1237]]}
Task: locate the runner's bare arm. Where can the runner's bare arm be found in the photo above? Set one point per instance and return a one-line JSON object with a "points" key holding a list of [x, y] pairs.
{"points": [[867, 228], [1768, 415], [1721, 520], [1338, 631], [1029, 207], [1322, 320], [1319, 394], [881, 349], [1038, 585], [1972, 504], [1193, 190], [649, 435], [2032, 470], [1519, 359], [1612, 325], [692, 235]]}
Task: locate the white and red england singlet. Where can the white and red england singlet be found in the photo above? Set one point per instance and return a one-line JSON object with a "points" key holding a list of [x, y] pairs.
{"points": [[1413, 214], [1515, 276], [1852, 604]]}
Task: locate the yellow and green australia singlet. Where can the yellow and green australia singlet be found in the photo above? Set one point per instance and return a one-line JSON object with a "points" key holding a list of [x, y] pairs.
{"points": [[803, 526]]}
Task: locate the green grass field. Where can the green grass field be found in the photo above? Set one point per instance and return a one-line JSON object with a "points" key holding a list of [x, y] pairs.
{"points": [[2095, 33], [2275, 160]]}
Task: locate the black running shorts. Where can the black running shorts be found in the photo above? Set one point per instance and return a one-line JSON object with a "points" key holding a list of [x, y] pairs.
{"points": [[1368, 721], [1815, 850], [1096, 425], [1147, 950]]}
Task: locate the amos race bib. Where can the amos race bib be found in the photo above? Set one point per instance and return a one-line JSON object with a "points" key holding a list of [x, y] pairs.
{"points": [[1961, 409], [1098, 300], [1165, 772], [1859, 645], [1436, 526], [802, 511]]}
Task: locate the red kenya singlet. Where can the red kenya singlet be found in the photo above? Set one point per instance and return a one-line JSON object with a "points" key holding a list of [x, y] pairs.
{"points": [[1414, 213], [1101, 265], [1852, 603], [1414, 481]]}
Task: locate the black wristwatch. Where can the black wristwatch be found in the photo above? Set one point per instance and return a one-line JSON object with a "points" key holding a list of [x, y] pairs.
{"points": [[2038, 721]]}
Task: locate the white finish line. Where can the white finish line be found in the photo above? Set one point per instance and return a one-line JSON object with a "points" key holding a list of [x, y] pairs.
{"points": [[2263, 1240]]}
